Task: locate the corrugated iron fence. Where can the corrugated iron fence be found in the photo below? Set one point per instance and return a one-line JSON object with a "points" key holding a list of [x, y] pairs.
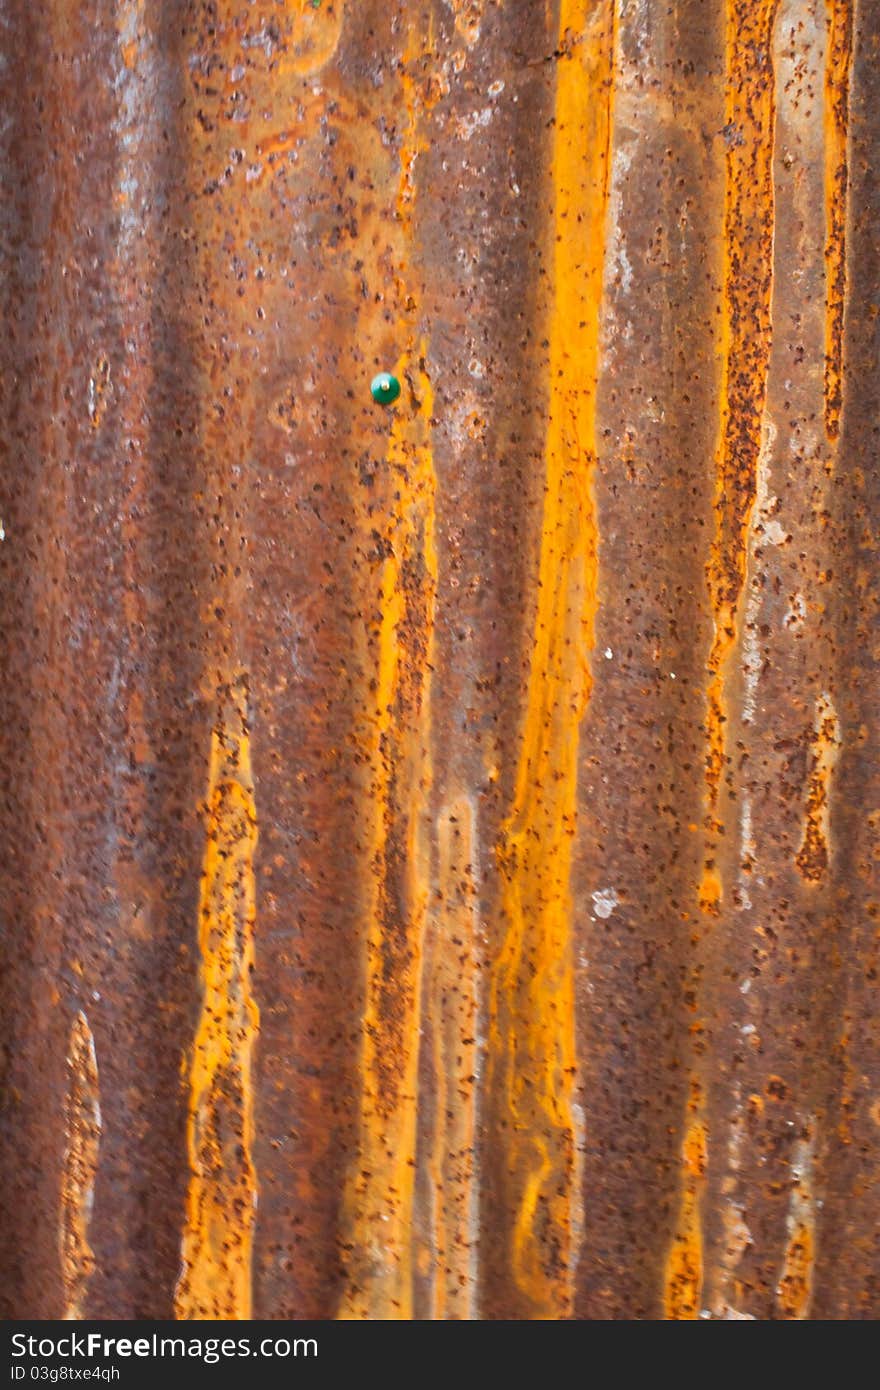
{"points": [[439, 840]]}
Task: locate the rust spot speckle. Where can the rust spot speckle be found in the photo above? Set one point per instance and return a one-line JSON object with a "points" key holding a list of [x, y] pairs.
{"points": [[837, 84]]}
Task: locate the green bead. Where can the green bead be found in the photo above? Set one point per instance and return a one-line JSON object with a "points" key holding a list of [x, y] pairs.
{"points": [[385, 388]]}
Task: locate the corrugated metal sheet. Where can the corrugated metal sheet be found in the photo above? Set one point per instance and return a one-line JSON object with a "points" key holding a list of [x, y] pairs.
{"points": [[439, 841]]}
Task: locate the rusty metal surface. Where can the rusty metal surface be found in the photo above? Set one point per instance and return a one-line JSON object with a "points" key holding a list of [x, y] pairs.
{"points": [[438, 842]]}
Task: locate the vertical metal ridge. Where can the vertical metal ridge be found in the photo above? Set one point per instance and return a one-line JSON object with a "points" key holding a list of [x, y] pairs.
{"points": [[531, 1047]]}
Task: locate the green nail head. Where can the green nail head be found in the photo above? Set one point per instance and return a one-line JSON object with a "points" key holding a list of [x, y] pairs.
{"points": [[385, 388]]}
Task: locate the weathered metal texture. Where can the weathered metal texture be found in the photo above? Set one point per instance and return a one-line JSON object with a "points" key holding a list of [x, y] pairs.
{"points": [[438, 843]]}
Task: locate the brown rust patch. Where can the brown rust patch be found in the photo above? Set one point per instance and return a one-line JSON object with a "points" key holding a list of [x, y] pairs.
{"points": [[82, 1125]]}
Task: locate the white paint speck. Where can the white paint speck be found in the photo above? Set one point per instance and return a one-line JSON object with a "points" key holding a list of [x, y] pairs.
{"points": [[608, 654], [624, 266], [605, 900], [775, 533], [467, 125]]}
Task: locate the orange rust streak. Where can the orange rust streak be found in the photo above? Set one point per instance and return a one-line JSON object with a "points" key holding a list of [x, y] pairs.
{"points": [[82, 1118], [215, 1280], [381, 1190], [837, 76], [745, 359], [452, 1015], [815, 851], [794, 1290], [531, 1018], [381, 1194], [684, 1264], [796, 1283]]}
